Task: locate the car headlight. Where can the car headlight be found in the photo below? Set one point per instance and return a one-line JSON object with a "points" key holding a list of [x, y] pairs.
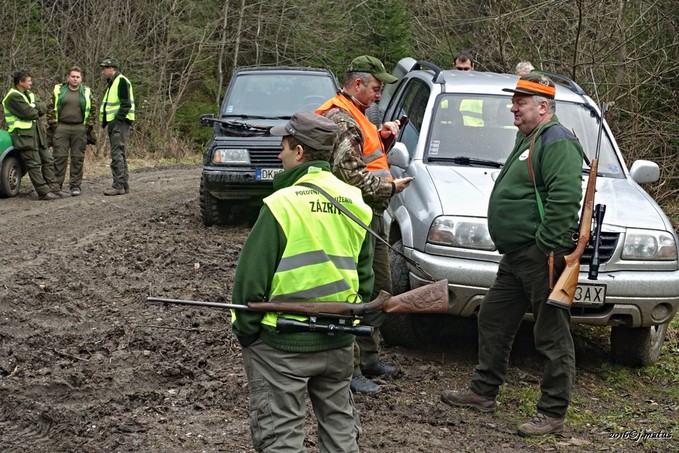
{"points": [[465, 232], [649, 245], [231, 156]]}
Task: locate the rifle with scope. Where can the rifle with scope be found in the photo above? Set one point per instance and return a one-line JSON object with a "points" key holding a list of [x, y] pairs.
{"points": [[338, 317], [564, 291]]}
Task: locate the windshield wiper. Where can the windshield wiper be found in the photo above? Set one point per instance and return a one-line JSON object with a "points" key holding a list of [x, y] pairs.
{"points": [[258, 117], [464, 160]]}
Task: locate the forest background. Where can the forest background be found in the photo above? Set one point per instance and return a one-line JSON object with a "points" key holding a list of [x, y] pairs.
{"points": [[180, 54]]}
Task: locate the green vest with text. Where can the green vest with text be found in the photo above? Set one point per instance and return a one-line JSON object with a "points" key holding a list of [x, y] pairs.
{"points": [[319, 260], [111, 103], [12, 121]]}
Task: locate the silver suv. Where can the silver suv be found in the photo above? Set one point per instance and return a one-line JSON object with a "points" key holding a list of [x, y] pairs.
{"points": [[458, 137]]}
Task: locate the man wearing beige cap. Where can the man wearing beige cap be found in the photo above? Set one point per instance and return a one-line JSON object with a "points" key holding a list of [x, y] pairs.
{"points": [[293, 253], [532, 219], [360, 159]]}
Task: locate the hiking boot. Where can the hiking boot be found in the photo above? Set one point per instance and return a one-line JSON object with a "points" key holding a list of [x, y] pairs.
{"points": [[380, 369], [75, 192], [467, 398], [62, 194], [361, 384], [113, 191], [49, 196], [541, 425]]}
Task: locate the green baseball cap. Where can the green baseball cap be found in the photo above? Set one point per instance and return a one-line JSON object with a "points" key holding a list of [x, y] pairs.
{"points": [[372, 65], [109, 62]]}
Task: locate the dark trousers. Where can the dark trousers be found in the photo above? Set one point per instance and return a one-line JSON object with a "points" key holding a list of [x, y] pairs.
{"points": [[118, 132], [69, 140], [522, 281], [366, 348], [40, 165]]}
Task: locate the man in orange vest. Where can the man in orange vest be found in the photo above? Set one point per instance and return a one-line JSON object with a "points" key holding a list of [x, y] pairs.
{"points": [[359, 158]]}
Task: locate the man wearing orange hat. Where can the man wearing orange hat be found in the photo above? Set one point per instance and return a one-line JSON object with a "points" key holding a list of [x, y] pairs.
{"points": [[532, 219]]}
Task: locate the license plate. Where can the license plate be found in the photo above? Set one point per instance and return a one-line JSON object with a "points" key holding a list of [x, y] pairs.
{"points": [[267, 174], [586, 294]]}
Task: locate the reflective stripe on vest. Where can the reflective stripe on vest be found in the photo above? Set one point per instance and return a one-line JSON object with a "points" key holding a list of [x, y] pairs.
{"points": [[12, 121], [315, 265], [373, 154], [85, 100], [111, 103]]}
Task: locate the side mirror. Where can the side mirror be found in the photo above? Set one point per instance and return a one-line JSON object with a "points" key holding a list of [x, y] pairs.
{"points": [[644, 171], [398, 156]]}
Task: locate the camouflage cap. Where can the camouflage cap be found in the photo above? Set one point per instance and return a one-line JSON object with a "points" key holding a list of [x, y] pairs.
{"points": [[309, 128], [374, 66], [534, 84], [109, 62]]}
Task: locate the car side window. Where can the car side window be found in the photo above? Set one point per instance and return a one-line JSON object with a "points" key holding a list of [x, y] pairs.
{"points": [[413, 103]]}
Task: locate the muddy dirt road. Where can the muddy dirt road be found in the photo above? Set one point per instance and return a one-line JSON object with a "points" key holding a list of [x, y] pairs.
{"points": [[87, 365]]}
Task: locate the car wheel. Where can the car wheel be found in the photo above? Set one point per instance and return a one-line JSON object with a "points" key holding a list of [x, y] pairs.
{"points": [[10, 177], [408, 330], [638, 346], [213, 211]]}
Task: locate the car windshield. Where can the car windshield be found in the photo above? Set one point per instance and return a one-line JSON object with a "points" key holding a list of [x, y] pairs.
{"points": [[276, 95], [478, 130]]}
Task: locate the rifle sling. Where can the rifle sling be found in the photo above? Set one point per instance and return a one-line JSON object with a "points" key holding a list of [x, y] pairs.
{"points": [[351, 215]]}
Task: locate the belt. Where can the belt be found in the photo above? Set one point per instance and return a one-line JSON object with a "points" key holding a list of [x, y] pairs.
{"points": [[71, 124]]}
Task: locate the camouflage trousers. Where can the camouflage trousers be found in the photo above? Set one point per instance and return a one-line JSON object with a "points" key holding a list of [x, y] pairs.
{"points": [[40, 167], [366, 348]]}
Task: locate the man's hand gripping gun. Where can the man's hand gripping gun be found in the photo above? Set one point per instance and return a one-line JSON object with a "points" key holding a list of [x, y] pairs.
{"points": [[564, 291], [430, 298]]}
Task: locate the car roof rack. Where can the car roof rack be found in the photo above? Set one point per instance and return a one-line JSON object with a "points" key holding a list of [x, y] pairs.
{"points": [[563, 80], [438, 72]]}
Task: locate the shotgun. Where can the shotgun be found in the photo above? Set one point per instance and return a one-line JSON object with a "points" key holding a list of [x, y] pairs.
{"points": [[430, 298], [564, 291]]}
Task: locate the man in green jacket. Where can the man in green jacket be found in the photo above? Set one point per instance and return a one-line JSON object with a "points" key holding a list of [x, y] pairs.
{"points": [[71, 116], [302, 248], [533, 221], [22, 112], [117, 113]]}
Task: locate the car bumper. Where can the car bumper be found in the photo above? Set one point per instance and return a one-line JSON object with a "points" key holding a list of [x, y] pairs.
{"points": [[633, 298], [235, 184]]}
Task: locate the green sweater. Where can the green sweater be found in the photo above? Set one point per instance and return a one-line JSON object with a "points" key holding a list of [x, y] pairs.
{"points": [[513, 217], [259, 259]]}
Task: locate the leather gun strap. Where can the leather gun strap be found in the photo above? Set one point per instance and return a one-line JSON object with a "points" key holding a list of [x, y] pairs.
{"points": [[351, 215]]}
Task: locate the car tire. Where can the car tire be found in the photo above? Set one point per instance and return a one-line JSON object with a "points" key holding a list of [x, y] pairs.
{"points": [[10, 177], [213, 211], [408, 330], [638, 346]]}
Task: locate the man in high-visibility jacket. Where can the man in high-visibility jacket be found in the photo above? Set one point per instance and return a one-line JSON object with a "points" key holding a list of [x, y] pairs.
{"points": [[71, 116], [117, 113], [302, 248], [360, 159], [22, 110]]}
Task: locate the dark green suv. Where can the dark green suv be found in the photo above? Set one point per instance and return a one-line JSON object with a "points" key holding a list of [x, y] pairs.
{"points": [[241, 159]]}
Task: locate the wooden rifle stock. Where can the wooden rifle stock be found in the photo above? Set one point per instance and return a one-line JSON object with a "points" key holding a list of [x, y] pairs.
{"points": [[564, 291]]}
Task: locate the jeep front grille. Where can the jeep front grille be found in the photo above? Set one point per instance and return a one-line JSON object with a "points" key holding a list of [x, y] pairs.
{"points": [[265, 158], [606, 248]]}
